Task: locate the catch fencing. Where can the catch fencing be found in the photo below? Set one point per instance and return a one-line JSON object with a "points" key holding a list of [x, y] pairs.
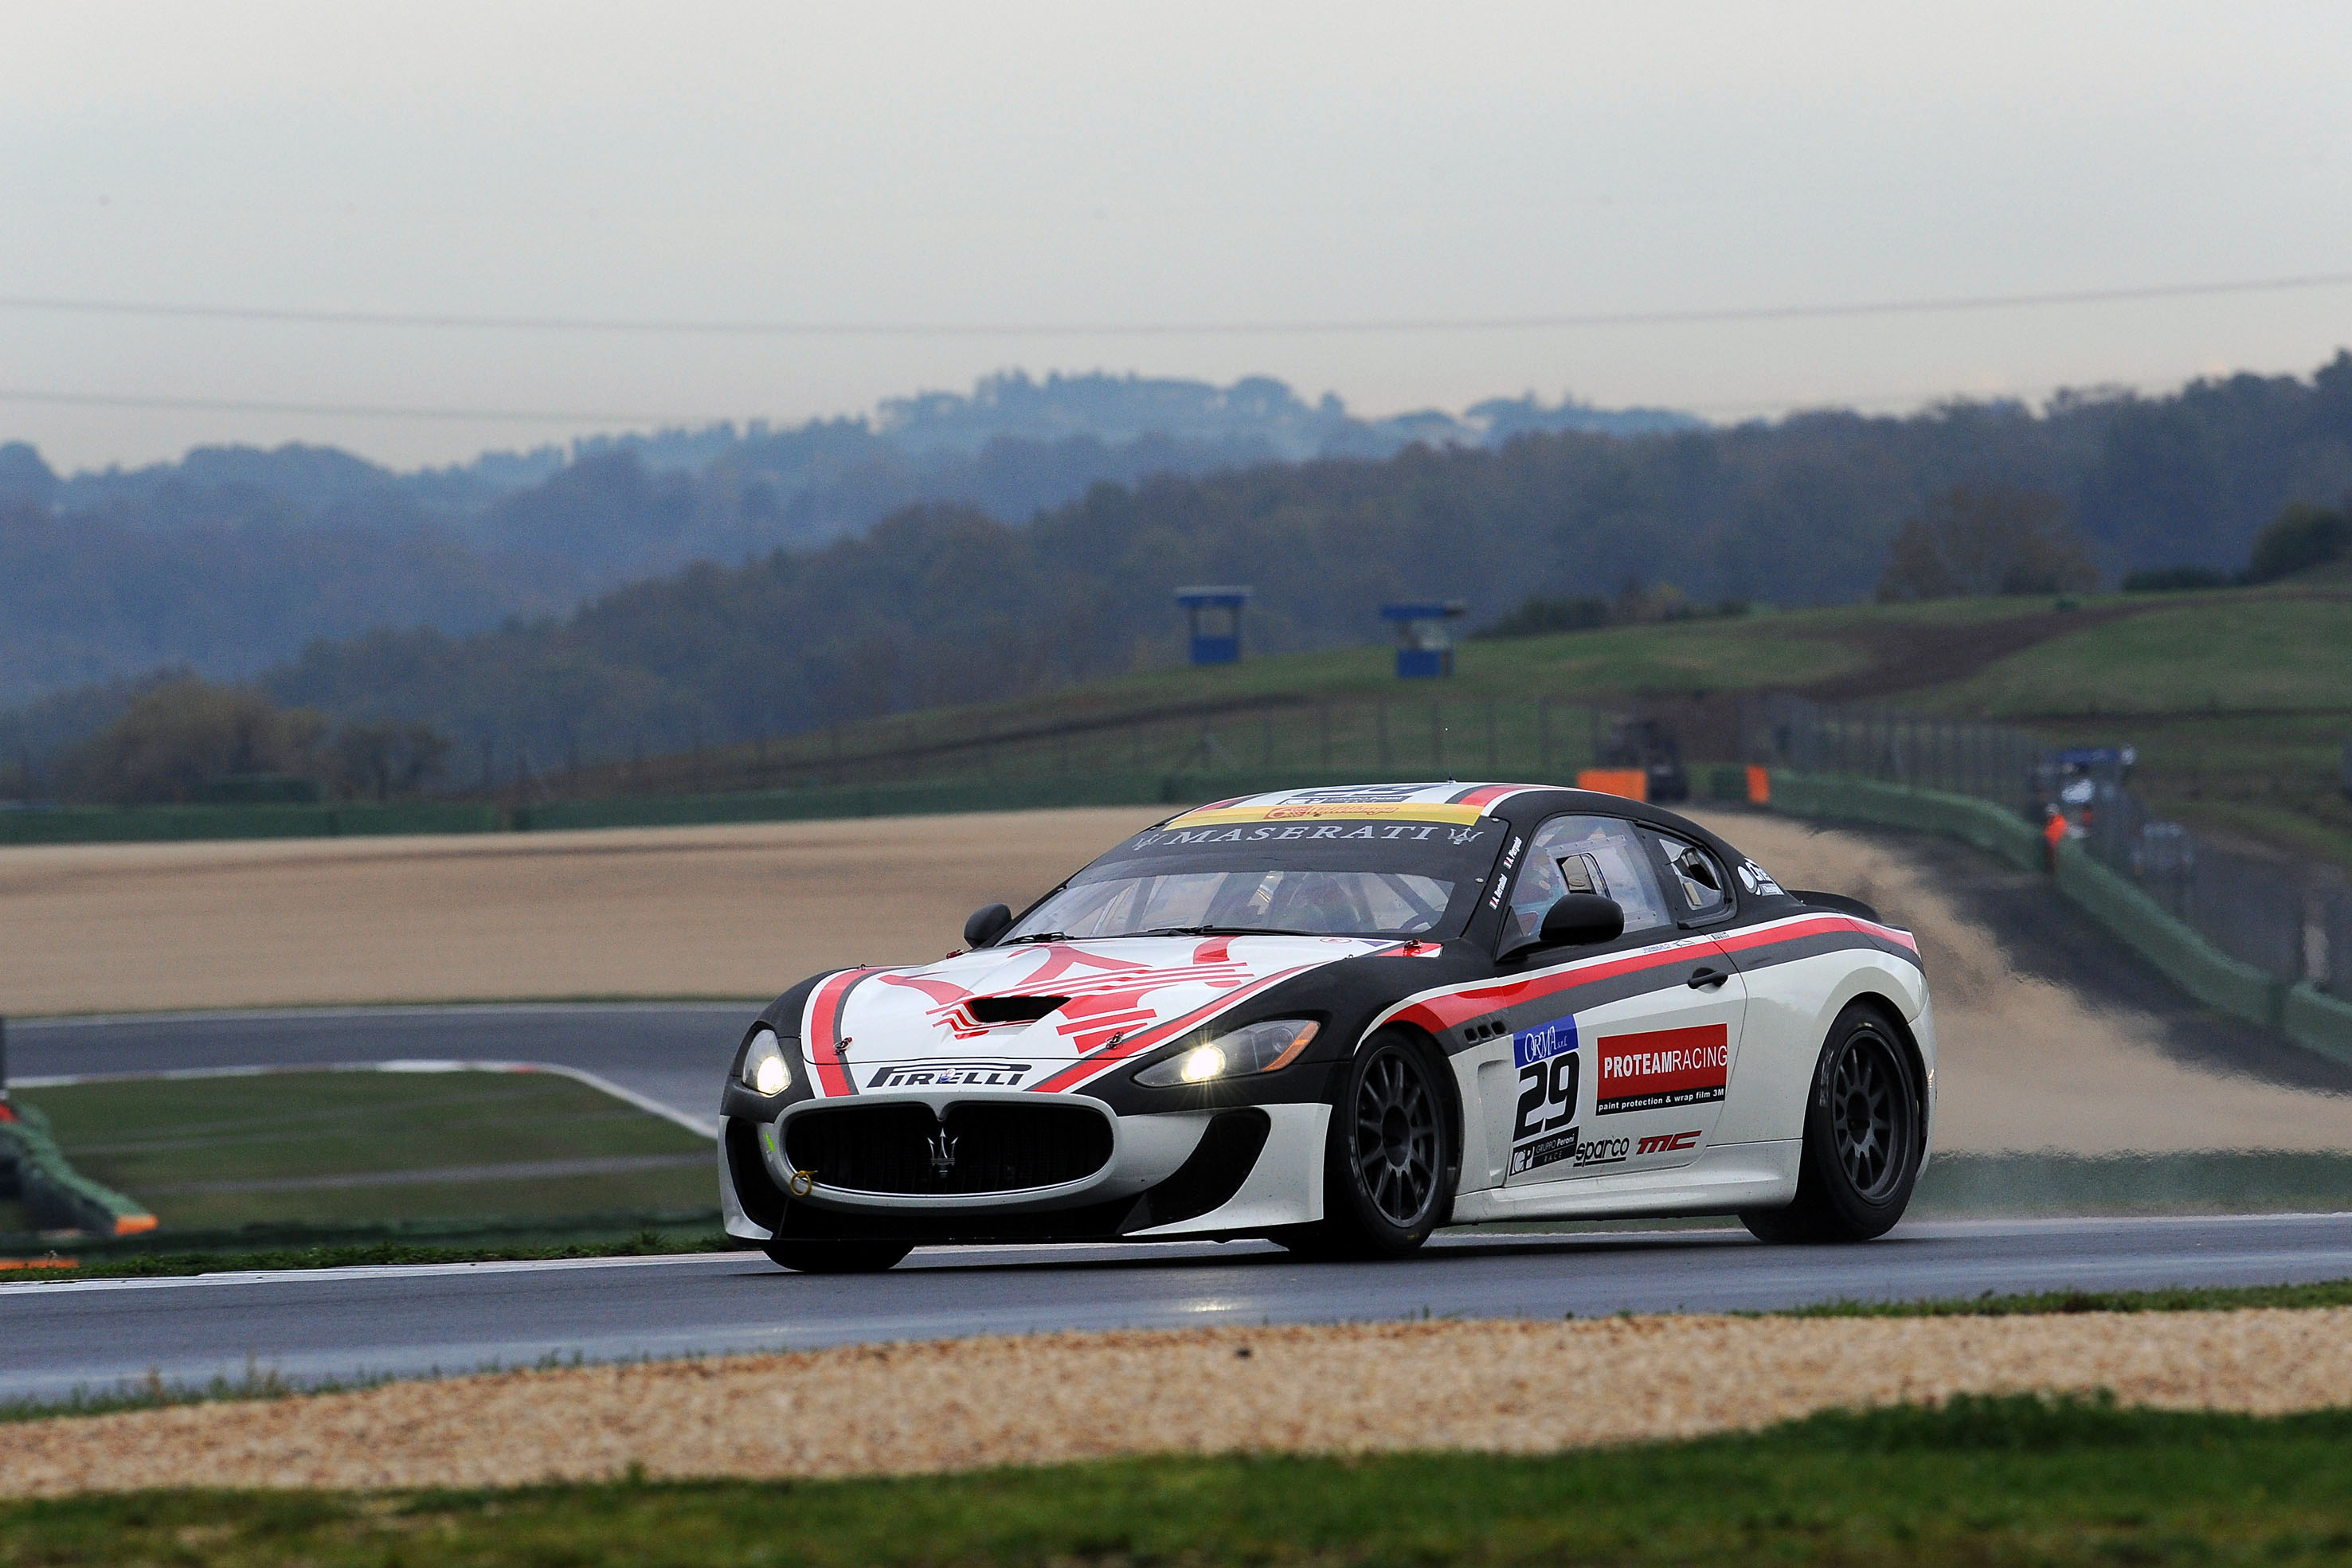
{"points": [[1339, 740], [2287, 920]]}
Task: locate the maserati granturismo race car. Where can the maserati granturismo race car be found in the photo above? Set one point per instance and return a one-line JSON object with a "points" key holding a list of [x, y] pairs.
{"points": [[1341, 1018]]}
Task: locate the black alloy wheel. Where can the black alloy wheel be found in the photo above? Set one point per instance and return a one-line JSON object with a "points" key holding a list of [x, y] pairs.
{"points": [[1396, 1142], [1869, 1124], [1865, 1134], [1390, 1164]]}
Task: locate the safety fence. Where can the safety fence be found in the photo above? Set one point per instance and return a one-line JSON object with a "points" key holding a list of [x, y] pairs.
{"points": [[2290, 921], [962, 760], [1341, 737]]}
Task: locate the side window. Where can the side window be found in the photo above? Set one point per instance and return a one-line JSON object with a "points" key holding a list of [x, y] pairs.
{"points": [[1699, 880], [1586, 854]]}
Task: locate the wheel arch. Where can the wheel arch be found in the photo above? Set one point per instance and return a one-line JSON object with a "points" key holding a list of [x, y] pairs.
{"points": [[1890, 1013]]}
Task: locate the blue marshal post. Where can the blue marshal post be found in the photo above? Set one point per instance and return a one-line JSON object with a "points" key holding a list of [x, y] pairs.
{"points": [[1424, 636], [1213, 644]]}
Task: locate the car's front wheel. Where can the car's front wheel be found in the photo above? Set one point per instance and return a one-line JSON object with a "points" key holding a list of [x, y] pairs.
{"points": [[1388, 1160], [835, 1257], [1865, 1134]]}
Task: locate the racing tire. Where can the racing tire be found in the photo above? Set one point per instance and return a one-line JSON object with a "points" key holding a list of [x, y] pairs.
{"points": [[835, 1257], [1389, 1161], [1865, 1134]]}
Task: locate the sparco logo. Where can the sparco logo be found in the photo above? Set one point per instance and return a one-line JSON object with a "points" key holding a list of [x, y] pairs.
{"points": [[1666, 1143], [949, 1075]]}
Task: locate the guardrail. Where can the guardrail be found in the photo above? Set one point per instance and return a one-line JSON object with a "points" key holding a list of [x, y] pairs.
{"points": [[2292, 926], [2296, 1007]]}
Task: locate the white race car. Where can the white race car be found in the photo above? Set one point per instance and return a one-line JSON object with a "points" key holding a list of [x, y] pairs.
{"points": [[1341, 1018]]}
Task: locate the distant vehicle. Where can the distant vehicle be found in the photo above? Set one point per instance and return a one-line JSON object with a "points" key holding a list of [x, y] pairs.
{"points": [[2075, 783], [1341, 1018], [1651, 747]]}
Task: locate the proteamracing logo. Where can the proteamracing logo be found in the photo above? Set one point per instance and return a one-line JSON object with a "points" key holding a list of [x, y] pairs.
{"points": [[949, 1075], [1661, 1068]]}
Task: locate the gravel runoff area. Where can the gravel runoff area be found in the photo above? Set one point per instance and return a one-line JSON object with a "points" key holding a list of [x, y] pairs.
{"points": [[1502, 1387]]}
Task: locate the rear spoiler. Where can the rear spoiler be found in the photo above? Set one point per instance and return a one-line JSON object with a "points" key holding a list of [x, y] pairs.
{"points": [[1839, 902]]}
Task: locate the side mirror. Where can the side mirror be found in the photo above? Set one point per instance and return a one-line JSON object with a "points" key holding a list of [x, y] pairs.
{"points": [[987, 924], [1578, 920]]}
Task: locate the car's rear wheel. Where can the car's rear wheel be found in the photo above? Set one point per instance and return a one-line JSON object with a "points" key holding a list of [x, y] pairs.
{"points": [[835, 1257], [1865, 1134], [1388, 1166]]}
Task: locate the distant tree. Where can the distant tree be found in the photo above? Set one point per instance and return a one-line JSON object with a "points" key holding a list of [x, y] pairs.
{"points": [[25, 478], [2303, 537], [2175, 579], [1975, 541], [388, 760], [186, 736], [1539, 617]]}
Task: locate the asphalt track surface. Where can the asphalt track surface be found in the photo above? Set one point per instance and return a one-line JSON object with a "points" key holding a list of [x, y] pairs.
{"points": [[351, 1323]]}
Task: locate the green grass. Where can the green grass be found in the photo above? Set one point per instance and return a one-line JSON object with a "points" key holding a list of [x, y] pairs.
{"points": [[2231, 652], [1261, 712], [1978, 1481], [2199, 1299], [180, 1145]]}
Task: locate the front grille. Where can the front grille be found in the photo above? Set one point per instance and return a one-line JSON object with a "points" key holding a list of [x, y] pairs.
{"points": [[994, 1146]]}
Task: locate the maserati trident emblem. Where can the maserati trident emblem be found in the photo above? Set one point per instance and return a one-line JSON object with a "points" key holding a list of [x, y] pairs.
{"points": [[943, 1150]]}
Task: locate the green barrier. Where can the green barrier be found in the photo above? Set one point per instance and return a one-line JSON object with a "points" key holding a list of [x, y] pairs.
{"points": [[158, 825], [2148, 928], [1980, 822], [2319, 1023], [55, 1195], [2114, 901]]}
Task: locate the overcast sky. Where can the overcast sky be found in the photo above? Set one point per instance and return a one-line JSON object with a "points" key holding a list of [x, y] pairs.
{"points": [[1021, 163]]}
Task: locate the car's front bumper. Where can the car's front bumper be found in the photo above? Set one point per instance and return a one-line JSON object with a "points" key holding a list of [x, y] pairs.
{"points": [[1240, 1170]]}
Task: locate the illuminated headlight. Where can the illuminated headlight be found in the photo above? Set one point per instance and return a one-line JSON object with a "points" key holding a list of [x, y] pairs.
{"points": [[765, 1070], [1254, 1047]]}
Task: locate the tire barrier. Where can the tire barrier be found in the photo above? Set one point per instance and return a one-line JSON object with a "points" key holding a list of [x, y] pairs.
{"points": [[55, 1196]]}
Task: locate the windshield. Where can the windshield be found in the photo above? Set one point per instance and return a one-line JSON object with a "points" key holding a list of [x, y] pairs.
{"points": [[1323, 878]]}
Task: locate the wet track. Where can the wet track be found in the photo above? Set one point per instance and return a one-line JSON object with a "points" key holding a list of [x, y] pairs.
{"points": [[346, 1324]]}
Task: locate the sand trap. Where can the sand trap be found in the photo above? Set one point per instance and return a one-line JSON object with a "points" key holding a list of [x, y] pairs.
{"points": [[738, 910], [746, 910], [1501, 1386]]}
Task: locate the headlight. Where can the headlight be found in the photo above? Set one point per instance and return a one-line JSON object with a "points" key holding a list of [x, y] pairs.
{"points": [[1254, 1047], [765, 1070]]}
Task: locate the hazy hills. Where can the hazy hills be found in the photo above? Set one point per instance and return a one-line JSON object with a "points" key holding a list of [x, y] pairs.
{"points": [[231, 558], [1031, 559]]}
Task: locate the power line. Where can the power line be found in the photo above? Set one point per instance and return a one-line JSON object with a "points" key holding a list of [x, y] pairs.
{"points": [[1368, 325], [345, 410], [527, 416]]}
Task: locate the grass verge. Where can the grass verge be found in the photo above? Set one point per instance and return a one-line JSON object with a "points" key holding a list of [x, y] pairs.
{"points": [[2183, 1299], [361, 1147], [1976, 1481]]}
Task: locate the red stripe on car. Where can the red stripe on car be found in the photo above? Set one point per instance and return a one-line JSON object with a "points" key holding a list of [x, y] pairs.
{"points": [[824, 1033]]}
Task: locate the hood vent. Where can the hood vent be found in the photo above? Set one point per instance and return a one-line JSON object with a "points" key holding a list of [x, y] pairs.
{"points": [[995, 1011]]}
